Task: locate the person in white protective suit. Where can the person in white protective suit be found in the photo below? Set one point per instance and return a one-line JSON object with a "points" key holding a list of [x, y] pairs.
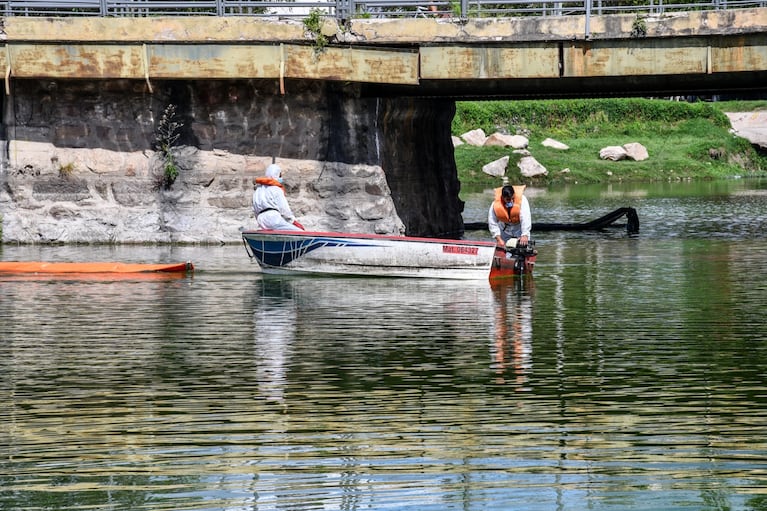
{"points": [[509, 216], [269, 203]]}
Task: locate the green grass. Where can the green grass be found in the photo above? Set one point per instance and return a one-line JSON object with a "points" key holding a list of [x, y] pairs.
{"points": [[684, 140]]}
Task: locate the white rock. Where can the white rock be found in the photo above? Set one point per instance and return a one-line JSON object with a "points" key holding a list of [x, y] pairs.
{"points": [[519, 141], [555, 144], [500, 139], [636, 151], [475, 137], [456, 141], [530, 167], [614, 153], [496, 168]]}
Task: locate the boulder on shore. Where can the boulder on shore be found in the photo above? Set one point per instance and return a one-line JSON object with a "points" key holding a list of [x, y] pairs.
{"points": [[613, 152], [636, 151], [555, 144], [500, 139], [631, 151], [530, 167], [475, 137], [497, 168]]}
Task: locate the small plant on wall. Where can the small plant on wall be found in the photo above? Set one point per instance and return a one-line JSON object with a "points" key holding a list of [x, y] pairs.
{"points": [[313, 25], [168, 132], [67, 170], [639, 27]]}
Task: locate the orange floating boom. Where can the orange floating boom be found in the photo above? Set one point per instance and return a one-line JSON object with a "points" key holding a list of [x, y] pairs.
{"points": [[43, 267]]}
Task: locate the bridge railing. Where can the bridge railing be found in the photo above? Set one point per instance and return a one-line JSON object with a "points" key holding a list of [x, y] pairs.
{"points": [[348, 9]]}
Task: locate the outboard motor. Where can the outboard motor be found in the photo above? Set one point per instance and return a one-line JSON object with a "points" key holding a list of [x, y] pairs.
{"points": [[520, 253]]}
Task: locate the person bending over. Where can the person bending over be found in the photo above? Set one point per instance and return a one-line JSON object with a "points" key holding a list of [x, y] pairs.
{"points": [[509, 215]]}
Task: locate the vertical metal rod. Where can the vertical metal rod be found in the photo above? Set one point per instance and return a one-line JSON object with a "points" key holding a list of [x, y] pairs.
{"points": [[8, 70]]}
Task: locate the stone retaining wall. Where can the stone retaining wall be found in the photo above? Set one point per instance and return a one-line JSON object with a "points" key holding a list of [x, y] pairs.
{"points": [[209, 202], [81, 163]]}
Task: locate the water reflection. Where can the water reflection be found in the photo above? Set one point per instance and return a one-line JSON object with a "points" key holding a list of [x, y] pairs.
{"points": [[513, 350], [274, 327]]}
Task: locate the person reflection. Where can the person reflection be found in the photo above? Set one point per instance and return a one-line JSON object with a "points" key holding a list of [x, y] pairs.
{"points": [[512, 349], [274, 326]]}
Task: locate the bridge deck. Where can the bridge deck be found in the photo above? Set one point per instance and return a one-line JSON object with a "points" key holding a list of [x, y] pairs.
{"points": [[510, 57]]}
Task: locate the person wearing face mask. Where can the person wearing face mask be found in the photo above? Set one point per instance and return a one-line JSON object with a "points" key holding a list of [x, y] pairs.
{"points": [[509, 215], [269, 203]]}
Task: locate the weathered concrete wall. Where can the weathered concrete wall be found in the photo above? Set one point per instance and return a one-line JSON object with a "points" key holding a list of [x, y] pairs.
{"points": [[404, 32], [81, 165]]}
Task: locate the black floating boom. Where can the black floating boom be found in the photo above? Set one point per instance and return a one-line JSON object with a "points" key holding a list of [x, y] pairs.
{"points": [[632, 223]]}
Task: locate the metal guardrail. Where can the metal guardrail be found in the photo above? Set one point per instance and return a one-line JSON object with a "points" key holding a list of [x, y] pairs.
{"points": [[348, 9]]}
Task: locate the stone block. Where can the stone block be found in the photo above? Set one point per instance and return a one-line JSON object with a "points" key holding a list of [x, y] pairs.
{"points": [[131, 193], [229, 202], [60, 189], [71, 135]]}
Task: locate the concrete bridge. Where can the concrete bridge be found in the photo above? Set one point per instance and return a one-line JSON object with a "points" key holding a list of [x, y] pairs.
{"points": [[515, 57]]}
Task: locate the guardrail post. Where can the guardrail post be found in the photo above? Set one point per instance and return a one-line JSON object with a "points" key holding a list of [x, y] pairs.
{"points": [[344, 9], [588, 19], [103, 11], [219, 7], [464, 9]]}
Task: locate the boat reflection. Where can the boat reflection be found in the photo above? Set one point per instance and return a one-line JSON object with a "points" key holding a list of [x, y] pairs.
{"points": [[295, 314], [331, 307], [274, 327], [513, 347]]}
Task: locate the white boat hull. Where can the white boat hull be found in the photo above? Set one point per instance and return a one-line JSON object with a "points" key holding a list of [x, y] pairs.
{"points": [[369, 255]]}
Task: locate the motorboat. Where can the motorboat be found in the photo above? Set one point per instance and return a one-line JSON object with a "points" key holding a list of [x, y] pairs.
{"points": [[384, 255]]}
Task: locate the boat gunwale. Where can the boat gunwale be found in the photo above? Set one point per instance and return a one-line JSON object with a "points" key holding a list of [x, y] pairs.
{"points": [[387, 237]]}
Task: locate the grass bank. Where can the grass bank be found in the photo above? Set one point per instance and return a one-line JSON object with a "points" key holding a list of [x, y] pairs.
{"points": [[684, 140]]}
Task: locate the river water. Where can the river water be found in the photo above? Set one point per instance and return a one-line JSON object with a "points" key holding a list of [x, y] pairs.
{"points": [[629, 373]]}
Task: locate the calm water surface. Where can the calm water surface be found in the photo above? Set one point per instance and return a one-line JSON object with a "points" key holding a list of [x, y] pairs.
{"points": [[630, 373]]}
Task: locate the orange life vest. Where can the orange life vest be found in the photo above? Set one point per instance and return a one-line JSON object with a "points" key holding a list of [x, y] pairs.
{"points": [[269, 181], [508, 215]]}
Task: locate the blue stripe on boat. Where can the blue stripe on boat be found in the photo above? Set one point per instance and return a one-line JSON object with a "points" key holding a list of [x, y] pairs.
{"points": [[281, 253]]}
